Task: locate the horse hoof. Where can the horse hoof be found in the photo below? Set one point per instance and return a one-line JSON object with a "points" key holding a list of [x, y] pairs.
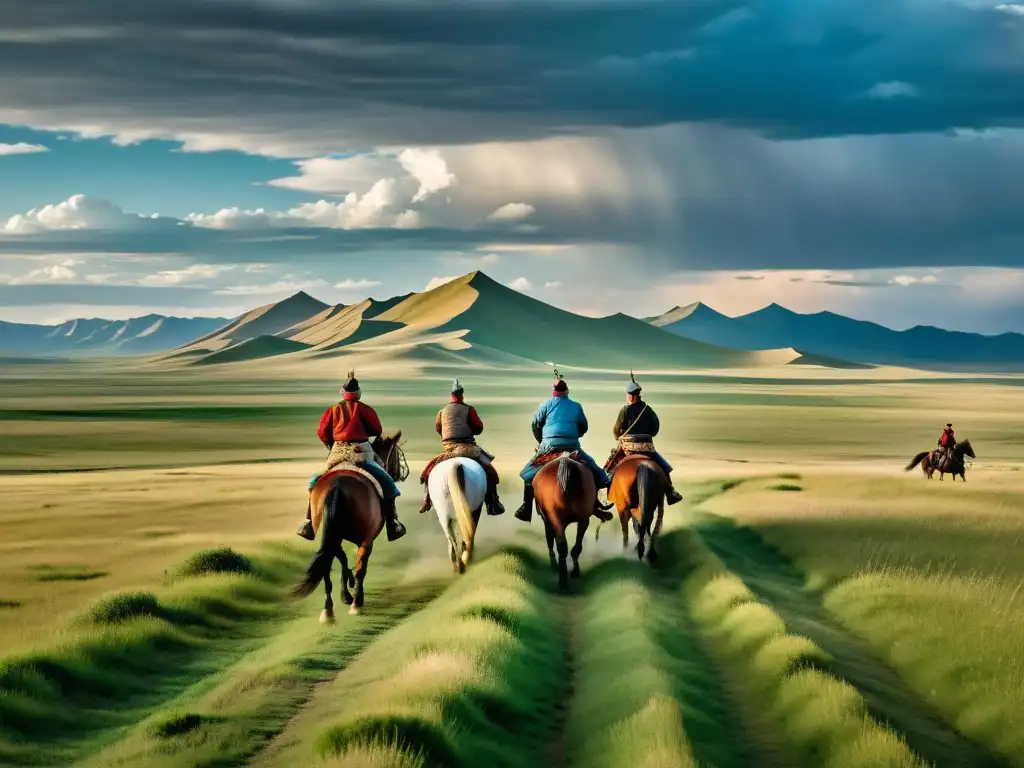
{"points": [[348, 599], [576, 574], [353, 611], [326, 617]]}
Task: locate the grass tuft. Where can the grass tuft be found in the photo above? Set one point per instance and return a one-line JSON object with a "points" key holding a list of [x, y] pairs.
{"points": [[176, 725], [123, 606], [9, 604], [46, 572], [786, 487], [219, 560]]}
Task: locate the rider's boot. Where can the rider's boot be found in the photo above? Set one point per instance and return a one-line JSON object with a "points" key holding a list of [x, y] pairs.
{"points": [[426, 502], [494, 505], [672, 495], [392, 524], [306, 529], [601, 510], [525, 512]]}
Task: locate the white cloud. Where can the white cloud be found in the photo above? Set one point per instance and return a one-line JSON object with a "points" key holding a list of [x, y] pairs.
{"points": [[356, 285], [512, 212], [1013, 8], [77, 212], [61, 272], [190, 274], [437, 282], [338, 175], [21, 148], [906, 280], [521, 284], [372, 209], [429, 168], [553, 285], [893, 89]]}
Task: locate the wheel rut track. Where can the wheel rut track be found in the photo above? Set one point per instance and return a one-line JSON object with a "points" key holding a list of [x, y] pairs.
{"points": [[780, 584]]}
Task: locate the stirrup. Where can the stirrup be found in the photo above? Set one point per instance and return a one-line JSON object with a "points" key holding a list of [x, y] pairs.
{"points": [[306, 531]]}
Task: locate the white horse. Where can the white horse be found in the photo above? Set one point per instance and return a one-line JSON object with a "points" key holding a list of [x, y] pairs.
{"points": [[457, 489]]}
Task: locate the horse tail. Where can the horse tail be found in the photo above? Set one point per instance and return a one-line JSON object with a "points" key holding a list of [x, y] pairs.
{"points": [[648, 488], [330, 545], [567, 474], [915, 461], [456, 488]]}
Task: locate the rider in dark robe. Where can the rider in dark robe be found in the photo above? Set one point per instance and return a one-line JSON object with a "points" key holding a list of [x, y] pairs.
{"points": [[557, 426], [346, 429], [635, 429], [458, 424]]}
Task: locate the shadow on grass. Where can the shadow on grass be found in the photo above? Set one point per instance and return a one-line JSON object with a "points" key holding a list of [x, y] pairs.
{"points": [[777, 581]]}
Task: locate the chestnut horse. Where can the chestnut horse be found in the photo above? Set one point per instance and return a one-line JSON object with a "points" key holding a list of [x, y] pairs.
{"points": [[351, 511], [947, 465], [638, 491], [565, 493]]}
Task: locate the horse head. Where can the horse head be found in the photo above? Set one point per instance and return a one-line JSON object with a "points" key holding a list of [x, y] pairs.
{"points": [[964, 447], [389, 452]]}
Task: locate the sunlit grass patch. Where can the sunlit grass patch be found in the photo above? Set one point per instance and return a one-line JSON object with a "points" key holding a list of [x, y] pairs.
{"points": [[46, 572], [219, 560], [472, 677]]}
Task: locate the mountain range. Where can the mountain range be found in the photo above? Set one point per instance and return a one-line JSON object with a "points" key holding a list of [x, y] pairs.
{"points": [[826, 334], [476, 319]]}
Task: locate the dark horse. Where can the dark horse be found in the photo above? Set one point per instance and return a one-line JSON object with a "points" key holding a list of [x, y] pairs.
{"points": [[350, 506], [638, 491], [948, 465], [565, 493]]}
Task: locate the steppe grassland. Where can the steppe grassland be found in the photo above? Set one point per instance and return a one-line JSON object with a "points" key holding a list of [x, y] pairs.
{"points": [[212, 458]]}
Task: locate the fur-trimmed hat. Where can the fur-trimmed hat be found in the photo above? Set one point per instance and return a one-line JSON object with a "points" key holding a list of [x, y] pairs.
{"points": [[560, 385], [632, 388], [351, 385]]}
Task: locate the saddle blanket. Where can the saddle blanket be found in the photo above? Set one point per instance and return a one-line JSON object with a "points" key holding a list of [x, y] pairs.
{"points": [[349, 468], [349, 453], [544, 458], [455, 451]]}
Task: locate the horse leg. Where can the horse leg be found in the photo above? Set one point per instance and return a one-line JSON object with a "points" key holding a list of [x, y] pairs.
{"points": [[467, 554], [362, 557], [577, 550], [327, 614], [652, 555], [563, 554], [624, 516], [549, 533], [347, 579]]}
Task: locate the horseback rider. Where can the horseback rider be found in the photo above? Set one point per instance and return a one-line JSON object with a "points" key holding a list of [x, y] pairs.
{"points": [[458, 424], [635, 429], [947, 442], [346, 429], [558, 425]]}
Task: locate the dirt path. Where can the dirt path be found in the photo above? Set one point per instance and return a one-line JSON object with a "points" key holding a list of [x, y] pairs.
{"points": [[776, 581]]}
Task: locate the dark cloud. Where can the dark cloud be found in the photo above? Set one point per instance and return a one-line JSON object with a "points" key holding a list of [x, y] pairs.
{"points": [[857, 283], [316, 76]]}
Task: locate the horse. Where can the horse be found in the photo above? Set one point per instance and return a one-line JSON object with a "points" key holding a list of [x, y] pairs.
{"points": [[953, 466], [351, 510], [638, 491], [565, 493], [458, 487]]}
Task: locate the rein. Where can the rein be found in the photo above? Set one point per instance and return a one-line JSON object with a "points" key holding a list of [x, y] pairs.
{"points": [[635, 421]]}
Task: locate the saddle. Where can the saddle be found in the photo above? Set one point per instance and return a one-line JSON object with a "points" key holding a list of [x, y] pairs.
{"points": [[545, 458], [629, 446], [456, 451], [351, 469]]}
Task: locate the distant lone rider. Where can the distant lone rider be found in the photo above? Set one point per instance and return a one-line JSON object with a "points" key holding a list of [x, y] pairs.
{"points": [[346, 429], [947, 442], [558, 425], [458, 424], [635, 429]]}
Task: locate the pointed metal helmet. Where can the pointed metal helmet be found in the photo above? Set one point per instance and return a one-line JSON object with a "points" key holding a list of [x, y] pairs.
{"points": [[632, 388], [560, 385], [351, 382], [456, 387]]}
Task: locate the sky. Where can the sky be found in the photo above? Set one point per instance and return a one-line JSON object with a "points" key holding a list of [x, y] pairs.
{"points": [[201, 157]]}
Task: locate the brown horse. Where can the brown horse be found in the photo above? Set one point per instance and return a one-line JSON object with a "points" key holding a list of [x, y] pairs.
{"points": [[949, 465], [638, 491], [350, 506], [565, 493]]}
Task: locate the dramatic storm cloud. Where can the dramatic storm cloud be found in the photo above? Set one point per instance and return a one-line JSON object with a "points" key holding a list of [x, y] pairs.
{"points": [[686, 138]]}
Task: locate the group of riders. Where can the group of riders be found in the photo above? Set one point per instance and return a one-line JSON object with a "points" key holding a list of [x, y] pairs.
{"points": [[347, 427]]}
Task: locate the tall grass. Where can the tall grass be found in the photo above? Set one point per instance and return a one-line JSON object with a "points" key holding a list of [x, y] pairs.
{"points": [[805, 715], [624, 708], [122, 655], [470, 680]]}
